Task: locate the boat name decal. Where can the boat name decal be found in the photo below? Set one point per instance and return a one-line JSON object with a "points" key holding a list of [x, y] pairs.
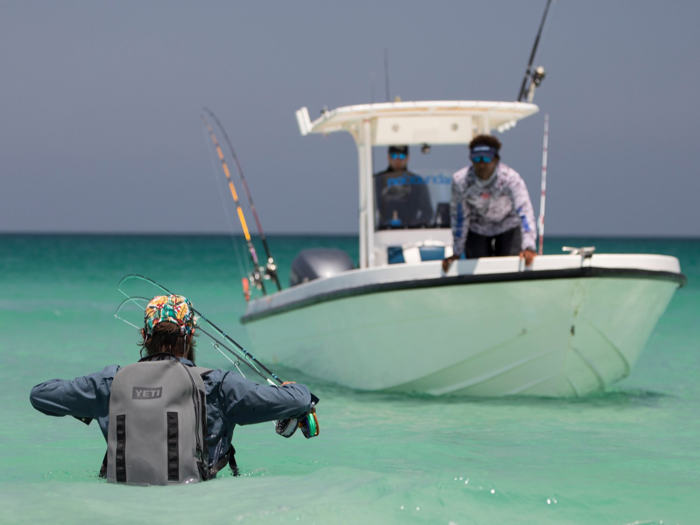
{"points": [[408, 180]]}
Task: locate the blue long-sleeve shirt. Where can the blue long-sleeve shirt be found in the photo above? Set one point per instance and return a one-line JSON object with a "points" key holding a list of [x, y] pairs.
{"points": [[231, 400]]}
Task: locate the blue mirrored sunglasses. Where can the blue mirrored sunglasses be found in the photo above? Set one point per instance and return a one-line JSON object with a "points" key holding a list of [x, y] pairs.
{"points": [[482, 159], [398, 156]]}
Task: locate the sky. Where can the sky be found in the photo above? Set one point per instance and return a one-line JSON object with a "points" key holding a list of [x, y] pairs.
{"points": [[100, 128]]}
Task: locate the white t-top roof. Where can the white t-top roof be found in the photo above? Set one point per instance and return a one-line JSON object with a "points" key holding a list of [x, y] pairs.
{"points": [[421, 122]]}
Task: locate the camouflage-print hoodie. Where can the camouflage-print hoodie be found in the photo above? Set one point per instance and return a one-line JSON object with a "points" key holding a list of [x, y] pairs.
{"points": [[490, 207]]}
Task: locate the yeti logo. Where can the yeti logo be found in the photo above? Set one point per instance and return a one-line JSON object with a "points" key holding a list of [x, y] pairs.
{"points": [[140, 392]]}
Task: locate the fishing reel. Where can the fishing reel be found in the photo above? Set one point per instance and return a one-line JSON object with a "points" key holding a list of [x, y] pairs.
{"points": [[270, 270], [308, 424], [256, 277], [536, 78]]}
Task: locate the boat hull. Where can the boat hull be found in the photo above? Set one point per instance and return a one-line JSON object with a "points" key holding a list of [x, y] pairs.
{"points": [[558, 333]]}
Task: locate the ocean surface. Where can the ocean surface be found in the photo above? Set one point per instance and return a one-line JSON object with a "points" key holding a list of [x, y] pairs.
{"points": [[628, 456]]}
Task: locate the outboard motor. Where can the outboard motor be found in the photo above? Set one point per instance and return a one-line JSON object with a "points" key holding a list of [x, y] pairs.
{"points": [[318, 262]]}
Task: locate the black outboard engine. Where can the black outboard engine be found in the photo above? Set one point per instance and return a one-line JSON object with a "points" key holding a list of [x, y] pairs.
{"points": [[318, 262]]}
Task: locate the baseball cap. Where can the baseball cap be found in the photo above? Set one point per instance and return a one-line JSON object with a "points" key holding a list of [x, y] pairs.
{"points": [[483, 150]]}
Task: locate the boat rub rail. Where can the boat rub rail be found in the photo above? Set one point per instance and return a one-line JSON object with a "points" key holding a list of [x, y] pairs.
{"points": [[568, 273]]}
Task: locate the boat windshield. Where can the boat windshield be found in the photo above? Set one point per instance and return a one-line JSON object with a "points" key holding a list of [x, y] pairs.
{"points": [[404, 199]]}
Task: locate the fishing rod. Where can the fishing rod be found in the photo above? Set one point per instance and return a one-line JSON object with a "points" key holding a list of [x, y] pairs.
{"points": [[537, 75], [256, 276], [540, 221], [246, 354], [309, 424], [271, 267], [142, 303]]}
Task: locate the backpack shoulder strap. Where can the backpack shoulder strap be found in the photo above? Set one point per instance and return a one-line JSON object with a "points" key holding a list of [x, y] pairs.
{"points": [[200, 371], [228, 458]]}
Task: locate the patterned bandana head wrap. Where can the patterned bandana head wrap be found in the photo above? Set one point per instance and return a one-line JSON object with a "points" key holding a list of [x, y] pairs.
{"points": [[174, 308]]}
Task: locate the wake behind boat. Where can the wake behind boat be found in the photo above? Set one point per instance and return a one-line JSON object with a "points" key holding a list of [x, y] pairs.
{"points": [[567, 326]]}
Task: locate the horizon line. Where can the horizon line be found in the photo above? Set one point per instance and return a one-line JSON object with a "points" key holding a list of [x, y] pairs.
{"points": [[220, 234]]}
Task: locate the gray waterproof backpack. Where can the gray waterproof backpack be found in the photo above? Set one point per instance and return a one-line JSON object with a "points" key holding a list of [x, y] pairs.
{"points": [[157, 423]]}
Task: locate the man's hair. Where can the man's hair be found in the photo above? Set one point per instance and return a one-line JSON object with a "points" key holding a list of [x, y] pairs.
{"points": [[487, 140], [168, 338]]}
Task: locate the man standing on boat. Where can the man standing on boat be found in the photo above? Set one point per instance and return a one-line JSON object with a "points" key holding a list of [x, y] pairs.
{"points": [[491, 212], [403, 200]]}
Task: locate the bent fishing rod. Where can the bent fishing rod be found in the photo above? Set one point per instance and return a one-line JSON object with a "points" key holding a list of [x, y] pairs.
{"points": [[537, 75], [142, 303], [271, 268], [256, 277], [247, 355], [308, 424]]}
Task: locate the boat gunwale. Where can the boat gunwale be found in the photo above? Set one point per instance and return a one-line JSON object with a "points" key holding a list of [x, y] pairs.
{"points": [[468, 279]]}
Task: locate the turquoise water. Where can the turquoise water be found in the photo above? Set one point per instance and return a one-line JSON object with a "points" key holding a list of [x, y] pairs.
{"points": [[631, 455]]}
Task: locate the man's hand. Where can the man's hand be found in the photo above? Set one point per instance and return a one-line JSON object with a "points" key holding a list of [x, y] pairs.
{"points": [[447, 262], [529, 256]]}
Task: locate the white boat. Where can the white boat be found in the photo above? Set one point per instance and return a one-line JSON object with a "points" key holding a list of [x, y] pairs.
{"points": [[570, 325]]}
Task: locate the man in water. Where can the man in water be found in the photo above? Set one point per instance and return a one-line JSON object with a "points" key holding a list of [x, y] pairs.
{"points": [[230, 398], [490, 210], [403, 200]]}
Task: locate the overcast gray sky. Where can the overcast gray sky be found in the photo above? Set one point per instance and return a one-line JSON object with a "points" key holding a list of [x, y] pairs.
{"points": [[100, 106]]}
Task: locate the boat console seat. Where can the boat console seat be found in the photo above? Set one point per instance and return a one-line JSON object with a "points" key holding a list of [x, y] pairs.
{"points": [[418, 252]]}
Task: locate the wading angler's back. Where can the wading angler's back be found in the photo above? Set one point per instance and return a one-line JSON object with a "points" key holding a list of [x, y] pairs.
{"points": [[157, 424]]}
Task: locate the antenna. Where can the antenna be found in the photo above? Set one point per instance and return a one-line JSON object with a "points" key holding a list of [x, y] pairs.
{"points": [[540, 222], [386, 73], [537, 75]]}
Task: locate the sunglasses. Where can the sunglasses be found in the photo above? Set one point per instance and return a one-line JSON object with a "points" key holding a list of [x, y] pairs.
{"points": [[398, 156], [482, 159]]}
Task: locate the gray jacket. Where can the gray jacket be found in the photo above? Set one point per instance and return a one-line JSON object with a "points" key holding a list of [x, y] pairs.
{"points": [[231, 400]]}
